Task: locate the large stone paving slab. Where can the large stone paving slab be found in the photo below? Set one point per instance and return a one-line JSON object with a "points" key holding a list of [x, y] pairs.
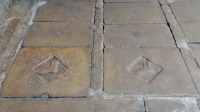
{"points": [[146, 71], [138, 35], [60, 34], [186, 11], [191, 30], [66, 11], [58, 72], [72, 105], [124, 13], [167, 104]]}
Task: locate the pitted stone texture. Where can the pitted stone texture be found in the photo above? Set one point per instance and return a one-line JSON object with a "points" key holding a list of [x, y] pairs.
{"points": [[66, 11], [130, 0], [191, 30], [186, 11], [172, 79], [3, 43], [18, 10], [138, 35], [11, 27], [60, 34], [125, 13], [73, 80], [93, 104], [168, 104]]}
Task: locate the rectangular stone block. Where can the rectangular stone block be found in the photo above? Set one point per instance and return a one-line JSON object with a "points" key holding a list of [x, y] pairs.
{"points": [[66, 11], [186, 11], [61, 34], [58, 72], [191, 30], [146, 71], [174, 104], [127, 13], [138, 35], [130, 0], [71, 105]]}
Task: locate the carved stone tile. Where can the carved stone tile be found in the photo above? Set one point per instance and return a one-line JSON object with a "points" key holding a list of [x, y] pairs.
{"points": [[146, 71], [186, 11], [125, 13], [60, 34], [138, 35], [92, 104], [66, 11], [58, 72]]}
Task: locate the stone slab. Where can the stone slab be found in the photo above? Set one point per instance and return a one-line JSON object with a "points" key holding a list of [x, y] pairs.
{"points": [[71, 105], [137, 35], [18, 10], [11, 27], [196, 50], [66, 11], [146, 71], [60, 34], [186, 11], [168, 104], [191, 30], [130, 0], [58, 72], [3, 43], [61, 1], [125, 13]]}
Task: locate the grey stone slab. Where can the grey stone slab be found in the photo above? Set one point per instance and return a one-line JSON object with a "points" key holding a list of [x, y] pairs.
{"points": [[67, 11], [125, 13], [186, 11], [146, 71], [93, 104], [172, 104], [138, 35], [130, 0], [191, 30], [196, 50], [60, 34]]}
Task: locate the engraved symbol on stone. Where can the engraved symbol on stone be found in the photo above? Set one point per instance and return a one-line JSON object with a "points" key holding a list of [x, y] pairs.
{"points": [[144, 68], [49, 69]]}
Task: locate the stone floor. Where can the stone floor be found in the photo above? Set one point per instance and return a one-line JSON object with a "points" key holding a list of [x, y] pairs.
{"points": [[100, 56]]}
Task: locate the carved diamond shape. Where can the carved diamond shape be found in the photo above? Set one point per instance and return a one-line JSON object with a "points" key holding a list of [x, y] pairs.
{"points": [[49, 69], [144, 68]]}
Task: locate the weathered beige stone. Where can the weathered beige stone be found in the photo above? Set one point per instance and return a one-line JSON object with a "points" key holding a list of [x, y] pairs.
{"points": [[130, 0], [3, 43], [186, 11], [66, 11], [58, 72], [60, 34], [146, 71], [93, 104], [11, 27], [18, 10], [174, 104], [191, 30], [97, 53], [138, 35], [124, 13], [192, 66]]}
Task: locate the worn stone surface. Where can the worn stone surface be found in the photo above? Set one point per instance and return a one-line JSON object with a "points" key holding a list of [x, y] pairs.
{"points": [[138, 35], [3, 43], [60, 34], [191, 30], [97, 53], [124, 13], [66, 11], [93, 104], [59, 72], [174, 26], [61, 1], [186, 11], [196, 50], [130, 0], [18, 10], [185, 104], [11, 27], [146, 71]]}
